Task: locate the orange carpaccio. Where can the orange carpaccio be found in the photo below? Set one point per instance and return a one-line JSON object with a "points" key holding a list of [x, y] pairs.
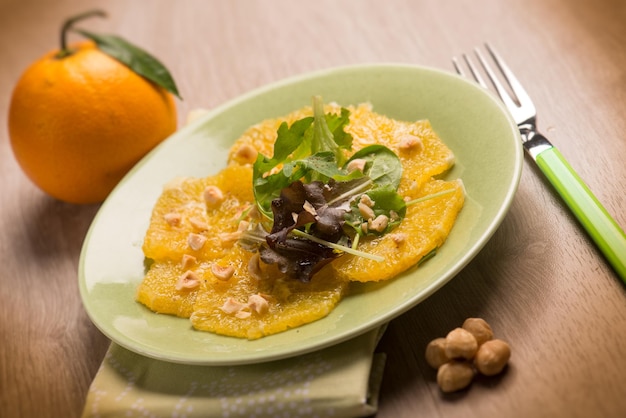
{"points": [[199, 271]]}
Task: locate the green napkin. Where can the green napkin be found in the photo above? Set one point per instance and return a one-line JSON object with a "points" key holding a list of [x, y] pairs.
{"points": [[339, 381]]}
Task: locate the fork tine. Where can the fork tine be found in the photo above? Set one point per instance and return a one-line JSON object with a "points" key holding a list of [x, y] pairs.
{"points": [[457, 67], [504, 95], [522, 96], [472, 68], [474, 72], [514, 97]]}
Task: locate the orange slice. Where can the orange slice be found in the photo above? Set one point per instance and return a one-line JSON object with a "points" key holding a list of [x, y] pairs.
{"points": [[182, 214], [222, 306], [424, 229]]}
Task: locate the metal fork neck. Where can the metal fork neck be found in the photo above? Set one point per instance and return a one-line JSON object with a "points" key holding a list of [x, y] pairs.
{"points": [[534, 143], [527, 131]]}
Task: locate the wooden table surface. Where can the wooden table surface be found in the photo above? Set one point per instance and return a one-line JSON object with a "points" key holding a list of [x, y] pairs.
{"points": [[540, 281]]}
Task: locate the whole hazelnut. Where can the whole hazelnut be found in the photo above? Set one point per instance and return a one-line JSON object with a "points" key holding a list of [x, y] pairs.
{"points": [[436, 353], [479, 328], [460, 343], [492, 356], [454, 375]]}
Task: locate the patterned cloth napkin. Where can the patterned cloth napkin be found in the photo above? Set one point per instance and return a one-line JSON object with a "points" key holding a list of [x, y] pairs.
{"points": [[339, 381]]}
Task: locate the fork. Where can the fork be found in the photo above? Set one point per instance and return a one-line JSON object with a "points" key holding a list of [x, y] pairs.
{"points": [[600, 226]]}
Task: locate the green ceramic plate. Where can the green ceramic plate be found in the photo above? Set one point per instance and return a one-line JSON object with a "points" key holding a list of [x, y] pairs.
{"points": [[471, 122]]}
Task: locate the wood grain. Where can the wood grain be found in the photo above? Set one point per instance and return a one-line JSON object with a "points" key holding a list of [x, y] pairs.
{"points": [[539, 281]]}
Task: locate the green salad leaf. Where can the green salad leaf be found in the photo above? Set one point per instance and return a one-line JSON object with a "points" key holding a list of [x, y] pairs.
{"points": [[312, 148], [384, 168], [328, 133], [382, 165], [311, 192], [386, 201]]}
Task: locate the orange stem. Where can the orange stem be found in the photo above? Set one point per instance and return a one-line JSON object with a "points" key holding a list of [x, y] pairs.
{"points": [[68, 25]]}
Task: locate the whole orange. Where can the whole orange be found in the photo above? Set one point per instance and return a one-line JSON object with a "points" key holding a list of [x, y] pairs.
{"points": [[79, 123]]}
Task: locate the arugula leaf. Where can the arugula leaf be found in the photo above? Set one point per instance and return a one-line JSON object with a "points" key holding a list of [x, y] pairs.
{"points": [[336, 124], [328, 132], [306, 149], [135, 58], [323, 139], [322, 164], [288, 139]]}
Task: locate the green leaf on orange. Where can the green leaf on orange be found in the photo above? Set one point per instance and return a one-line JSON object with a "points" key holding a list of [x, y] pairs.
{"points": [[135, 58]]}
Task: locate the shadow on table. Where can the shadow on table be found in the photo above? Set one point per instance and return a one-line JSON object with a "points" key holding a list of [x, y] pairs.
{"points": [[53, 229]]}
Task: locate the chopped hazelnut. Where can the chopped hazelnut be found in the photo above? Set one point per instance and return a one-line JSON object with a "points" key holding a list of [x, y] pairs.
{"points": [[188, 280], [366, 200], [222, 272], [410, 142], [308, 207], [398, 237], [254, 268], [228, 238], [213, 196], [366, 211], [356, 164], [246, 154], [243, 313], [231, 306], [258, 304], [173, 219], [379, 223], [198, 224], [196, 241], [187, 261]]}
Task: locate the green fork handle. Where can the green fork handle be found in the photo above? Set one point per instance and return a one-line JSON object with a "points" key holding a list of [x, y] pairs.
{"points": [[602, 228]]}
